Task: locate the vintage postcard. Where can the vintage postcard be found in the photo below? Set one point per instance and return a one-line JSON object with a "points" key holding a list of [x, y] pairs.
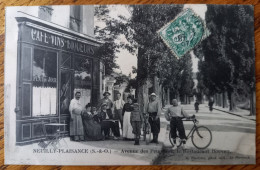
{"points": [[130, 85]]}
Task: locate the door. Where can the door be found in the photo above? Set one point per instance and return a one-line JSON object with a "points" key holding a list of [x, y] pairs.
{"points": [[65, 91]]}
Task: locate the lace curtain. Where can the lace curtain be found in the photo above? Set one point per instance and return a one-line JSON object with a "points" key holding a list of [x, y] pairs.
{"points": [[44, 101]]}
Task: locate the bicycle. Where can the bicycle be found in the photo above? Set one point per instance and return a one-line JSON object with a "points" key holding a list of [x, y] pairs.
{"points": [[146, 129], [201, 136]]}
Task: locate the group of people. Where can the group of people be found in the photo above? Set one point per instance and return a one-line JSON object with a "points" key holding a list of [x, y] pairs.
{"points": [[102, 122]]}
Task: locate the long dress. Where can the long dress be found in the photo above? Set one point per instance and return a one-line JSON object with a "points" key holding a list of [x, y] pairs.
{"points": [[76, 125], [92, 128], [127, 127]]}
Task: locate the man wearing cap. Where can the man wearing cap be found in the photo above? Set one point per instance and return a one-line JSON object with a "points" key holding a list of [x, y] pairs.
{"points": [[153, 109], [107, 101]]}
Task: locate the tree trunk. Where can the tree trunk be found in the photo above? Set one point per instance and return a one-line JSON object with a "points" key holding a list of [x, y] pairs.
{"points": [[215, 99], [252, 103], [230, 101], [202, 98], [143, 96], [163, 97], [157, 89], [232, 105], [223, 100], [168, 96], [178, 97], [220, 100]]}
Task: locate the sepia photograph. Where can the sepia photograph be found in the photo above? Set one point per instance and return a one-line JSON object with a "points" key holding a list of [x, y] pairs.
{"points": [[169, 84]]}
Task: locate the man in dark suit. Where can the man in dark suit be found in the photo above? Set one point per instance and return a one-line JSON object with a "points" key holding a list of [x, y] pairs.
{"points": [[107, 122]]}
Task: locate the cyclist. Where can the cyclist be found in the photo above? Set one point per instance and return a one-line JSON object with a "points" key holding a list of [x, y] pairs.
{"points": [[211, 102], [196, 105], [174, 114]]}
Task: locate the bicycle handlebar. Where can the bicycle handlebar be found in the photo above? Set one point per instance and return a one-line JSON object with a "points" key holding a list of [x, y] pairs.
{"points": [[191, 118]]}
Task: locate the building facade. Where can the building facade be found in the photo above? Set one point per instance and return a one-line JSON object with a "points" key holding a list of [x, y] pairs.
{"points": [[55, 57]]}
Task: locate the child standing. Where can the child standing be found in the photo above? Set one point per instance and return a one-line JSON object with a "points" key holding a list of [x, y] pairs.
{"points": [[136, 120]]}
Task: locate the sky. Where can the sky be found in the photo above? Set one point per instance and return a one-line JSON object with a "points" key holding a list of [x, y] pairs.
{"points": [[126, 60]]}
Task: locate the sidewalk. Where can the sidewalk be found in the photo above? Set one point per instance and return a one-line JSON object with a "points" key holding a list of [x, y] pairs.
{"points": [[239, 112], [108, 152]]}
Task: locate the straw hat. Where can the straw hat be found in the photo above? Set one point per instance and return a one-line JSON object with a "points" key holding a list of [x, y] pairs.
{"points": [[106, 93], [153, 94]]}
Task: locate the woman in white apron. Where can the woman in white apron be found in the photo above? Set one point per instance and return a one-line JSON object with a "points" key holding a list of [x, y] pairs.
{"points": [[127, 127], [76, 125]]}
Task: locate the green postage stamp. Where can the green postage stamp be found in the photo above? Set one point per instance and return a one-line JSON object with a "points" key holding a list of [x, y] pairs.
{"points": [[183, 33]]}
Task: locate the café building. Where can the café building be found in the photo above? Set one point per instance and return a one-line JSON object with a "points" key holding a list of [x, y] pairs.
{"points": [[55, 57]]}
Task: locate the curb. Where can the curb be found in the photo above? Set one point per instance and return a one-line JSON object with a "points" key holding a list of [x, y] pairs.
{"points": [[233, 114]]}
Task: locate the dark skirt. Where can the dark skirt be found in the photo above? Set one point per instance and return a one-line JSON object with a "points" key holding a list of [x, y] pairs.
{"points": [[92, 129]]}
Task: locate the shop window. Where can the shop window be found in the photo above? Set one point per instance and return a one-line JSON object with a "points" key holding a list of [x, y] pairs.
{"points": [[44, 83], [75, 18], [83, 79], [66, 60]]}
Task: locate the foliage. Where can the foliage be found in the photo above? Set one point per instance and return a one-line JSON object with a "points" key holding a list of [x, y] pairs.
{"points": [[108, 34], [227, 55], [131, 84], [154, 57], [121, 78]]}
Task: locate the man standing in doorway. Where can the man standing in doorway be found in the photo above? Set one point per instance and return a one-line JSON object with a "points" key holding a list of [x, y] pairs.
{"points": [[118, 107], [76, 125], [153, 109]]}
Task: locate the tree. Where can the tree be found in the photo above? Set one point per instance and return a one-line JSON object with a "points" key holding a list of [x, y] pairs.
{"points": [[141, 31], [186, 80], [227, 55], [108, 32]]}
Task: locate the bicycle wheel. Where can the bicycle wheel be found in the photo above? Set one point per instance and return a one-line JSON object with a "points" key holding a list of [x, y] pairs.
{"points": [[148, 134], [201, 137], [178, 141]]}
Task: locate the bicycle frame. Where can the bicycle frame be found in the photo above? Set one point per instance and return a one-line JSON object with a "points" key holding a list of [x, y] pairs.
{"points": [[191, 133], [146, 122], [146, 128], [192, 129]]}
